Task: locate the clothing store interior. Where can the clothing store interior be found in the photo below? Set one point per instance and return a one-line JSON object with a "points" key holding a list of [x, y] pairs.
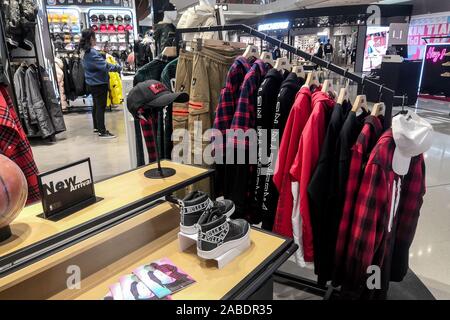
{"points": [[250, 149]]}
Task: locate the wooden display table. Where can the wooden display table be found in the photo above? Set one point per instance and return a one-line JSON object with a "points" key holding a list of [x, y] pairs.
{"points": [[125, 195], [144, 238]]}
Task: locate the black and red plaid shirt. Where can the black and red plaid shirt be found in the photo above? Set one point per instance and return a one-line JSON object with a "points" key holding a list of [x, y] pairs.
{"points": [[229, 96], [148, 125], [14, 144], [385, 217], [245, 114], [367, 139]]}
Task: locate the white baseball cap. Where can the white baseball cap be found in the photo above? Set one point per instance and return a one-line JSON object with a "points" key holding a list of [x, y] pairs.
{"points": [[412, 136]]}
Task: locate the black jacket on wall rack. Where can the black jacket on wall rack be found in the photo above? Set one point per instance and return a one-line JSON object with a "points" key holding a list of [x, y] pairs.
{"points": [[20, 21]]}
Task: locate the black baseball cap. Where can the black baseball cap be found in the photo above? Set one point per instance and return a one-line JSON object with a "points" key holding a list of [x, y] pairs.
{"points": [[152, 94]]}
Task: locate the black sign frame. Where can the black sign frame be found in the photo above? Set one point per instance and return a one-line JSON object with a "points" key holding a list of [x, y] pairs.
{"points": [[69, 207]]}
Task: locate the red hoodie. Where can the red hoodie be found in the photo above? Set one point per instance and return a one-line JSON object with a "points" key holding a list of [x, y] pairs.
{"points": [[305, 163], [288, 149]]}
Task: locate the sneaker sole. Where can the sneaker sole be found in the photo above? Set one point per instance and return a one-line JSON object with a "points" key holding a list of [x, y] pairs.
{"points": [[188, 229], [226, 247], [194, 230], [107, 137]]}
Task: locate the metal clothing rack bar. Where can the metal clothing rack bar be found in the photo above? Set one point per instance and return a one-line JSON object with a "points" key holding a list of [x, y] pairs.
{"points": [[385, 92]]}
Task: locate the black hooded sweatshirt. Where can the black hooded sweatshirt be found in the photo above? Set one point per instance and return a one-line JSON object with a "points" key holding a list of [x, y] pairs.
{"points": [[280, 106]]}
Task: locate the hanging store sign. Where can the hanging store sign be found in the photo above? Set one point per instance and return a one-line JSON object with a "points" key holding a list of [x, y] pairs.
{"points": [[67, 189], [273, 26]]}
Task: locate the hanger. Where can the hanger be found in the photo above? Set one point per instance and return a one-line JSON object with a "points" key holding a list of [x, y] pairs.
{"points": [[360, 103], [299, 71], [343, 95], [266, 56], [311, 79], [169, 52], [251, 51], [327, 86], [283, 63], [378, 109]]}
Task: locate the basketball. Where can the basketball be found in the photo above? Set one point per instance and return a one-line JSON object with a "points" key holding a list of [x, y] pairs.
{"points": [[13, 191]]}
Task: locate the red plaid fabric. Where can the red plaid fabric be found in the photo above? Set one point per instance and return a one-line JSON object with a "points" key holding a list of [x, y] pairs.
{"points": [[14, 144], [245, 114], [229, 96], [376, 214], [367, 139], [147, 127]]}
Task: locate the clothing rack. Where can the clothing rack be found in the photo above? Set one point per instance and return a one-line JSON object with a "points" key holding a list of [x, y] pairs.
{"points": [[386, 95]]}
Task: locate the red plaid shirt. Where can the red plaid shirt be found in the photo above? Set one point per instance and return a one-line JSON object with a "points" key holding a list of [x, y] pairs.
{"points": [[147, 127], [385, 200], [245, 115], [14, 144], [229, 96], [367, 139]]}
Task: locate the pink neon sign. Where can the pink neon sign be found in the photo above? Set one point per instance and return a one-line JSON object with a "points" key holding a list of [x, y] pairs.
{"points": [[434, 55]]}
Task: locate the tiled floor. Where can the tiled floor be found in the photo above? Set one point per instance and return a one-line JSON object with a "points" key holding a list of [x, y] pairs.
{"points": [[430, 252]]}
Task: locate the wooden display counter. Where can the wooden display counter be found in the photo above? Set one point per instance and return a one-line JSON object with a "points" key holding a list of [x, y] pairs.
{"points": [[144, 238], [125, 195]]}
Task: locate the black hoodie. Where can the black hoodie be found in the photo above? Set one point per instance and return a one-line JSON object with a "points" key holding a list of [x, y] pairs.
{"points": [[265, 107], [280, 108]]}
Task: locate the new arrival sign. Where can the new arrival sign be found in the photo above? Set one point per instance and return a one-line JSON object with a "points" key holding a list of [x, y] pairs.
{"points": [[67, 187]]}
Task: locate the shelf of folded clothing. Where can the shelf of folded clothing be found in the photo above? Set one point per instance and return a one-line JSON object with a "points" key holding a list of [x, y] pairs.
{"points": [[124, 196], [150, 236]]}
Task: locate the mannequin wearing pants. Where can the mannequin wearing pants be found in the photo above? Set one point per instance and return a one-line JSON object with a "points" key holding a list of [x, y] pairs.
{"points": [[99, 95]]}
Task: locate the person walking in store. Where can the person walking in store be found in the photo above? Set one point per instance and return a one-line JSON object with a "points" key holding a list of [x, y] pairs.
{"points": [[328, 49], [96, 72]]}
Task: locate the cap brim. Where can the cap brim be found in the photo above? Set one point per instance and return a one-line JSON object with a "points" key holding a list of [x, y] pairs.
{"points": [[400, 163], [168, 98]]}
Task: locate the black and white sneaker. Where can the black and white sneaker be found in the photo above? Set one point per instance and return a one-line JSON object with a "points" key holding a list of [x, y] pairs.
{"points": [[95, 131], [106, 135], [195, 204], [218, 234]]}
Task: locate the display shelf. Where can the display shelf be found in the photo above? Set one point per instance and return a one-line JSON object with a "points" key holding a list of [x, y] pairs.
{"points": [[124, 195], [147, 237]]}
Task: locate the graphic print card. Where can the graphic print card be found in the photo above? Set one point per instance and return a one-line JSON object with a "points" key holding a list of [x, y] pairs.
{"points": [[135, 289], [167, 274], [148, 278]]}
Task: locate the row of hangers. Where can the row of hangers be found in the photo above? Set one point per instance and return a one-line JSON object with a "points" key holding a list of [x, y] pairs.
{"points": [[281, 63], [311, 78]]}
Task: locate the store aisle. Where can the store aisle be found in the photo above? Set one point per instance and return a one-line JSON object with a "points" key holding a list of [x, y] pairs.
{"points": [[430, 251], [108, 157]]}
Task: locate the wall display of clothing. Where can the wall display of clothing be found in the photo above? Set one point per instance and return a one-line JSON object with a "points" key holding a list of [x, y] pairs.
{"points": [[20, 19], [144, 50], [70, 76], [305, 43], [40, 113], [65, 27], [14, 144]]}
